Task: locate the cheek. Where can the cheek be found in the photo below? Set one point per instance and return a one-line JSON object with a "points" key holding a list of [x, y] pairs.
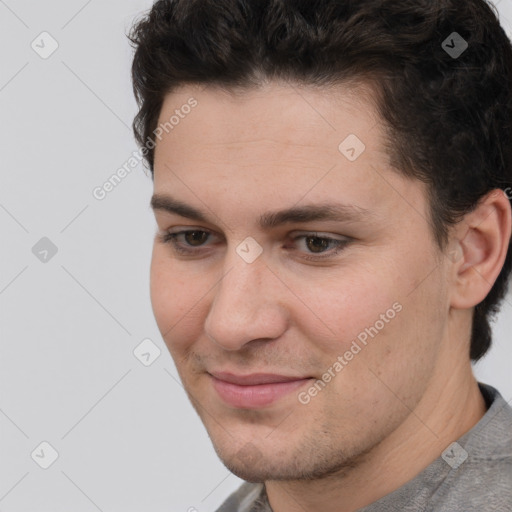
{"points": [[370, 312], [399, 355], [386, 361], [342, 304], [176, 299]]}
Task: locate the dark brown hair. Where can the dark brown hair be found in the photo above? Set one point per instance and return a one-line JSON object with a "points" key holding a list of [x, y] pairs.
{"points": [[448, 117]]}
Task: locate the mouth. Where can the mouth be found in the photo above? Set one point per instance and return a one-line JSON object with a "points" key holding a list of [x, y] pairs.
{"points": [[255, 390]]}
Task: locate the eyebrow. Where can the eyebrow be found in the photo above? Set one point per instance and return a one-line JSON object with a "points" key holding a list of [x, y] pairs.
{"points": [[268, 220]]}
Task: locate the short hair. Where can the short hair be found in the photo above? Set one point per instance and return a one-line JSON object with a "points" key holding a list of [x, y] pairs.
{"points": [[447, 115]]}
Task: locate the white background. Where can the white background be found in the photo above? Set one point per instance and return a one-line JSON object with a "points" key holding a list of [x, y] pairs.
{"points": [[126, 435]]}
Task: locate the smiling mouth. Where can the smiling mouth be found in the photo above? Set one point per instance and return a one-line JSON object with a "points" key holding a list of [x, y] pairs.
{"points": [[255, 390]]}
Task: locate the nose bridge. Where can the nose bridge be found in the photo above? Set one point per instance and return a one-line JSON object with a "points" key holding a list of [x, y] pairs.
{"points": [[245, 305]]}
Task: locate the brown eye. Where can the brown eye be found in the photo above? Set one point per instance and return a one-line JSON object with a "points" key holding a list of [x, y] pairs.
{"points": [[316, 244], [315, 247], [190, 242], [196, 238]]}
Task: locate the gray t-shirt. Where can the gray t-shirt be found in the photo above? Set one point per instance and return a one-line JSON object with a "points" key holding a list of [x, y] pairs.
{"points": [[474, 474]]}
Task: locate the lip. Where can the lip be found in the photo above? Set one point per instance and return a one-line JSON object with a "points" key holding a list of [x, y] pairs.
{"points": [[255, 390]]}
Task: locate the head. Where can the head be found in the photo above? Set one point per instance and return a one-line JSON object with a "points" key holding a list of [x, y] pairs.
{"points": [[340, 170]]}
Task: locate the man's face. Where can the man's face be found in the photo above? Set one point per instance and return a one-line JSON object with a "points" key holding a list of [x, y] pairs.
{"points": [[237, 327]]}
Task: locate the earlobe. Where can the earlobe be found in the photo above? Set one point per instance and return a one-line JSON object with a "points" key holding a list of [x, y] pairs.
{"points": [[481, 240]]}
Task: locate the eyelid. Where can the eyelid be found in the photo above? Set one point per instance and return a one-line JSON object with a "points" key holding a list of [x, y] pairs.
{"points": [[319, 234], [292, 235], [182, 230]]}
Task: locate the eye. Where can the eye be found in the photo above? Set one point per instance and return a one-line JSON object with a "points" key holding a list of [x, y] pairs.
{"points": [[183, 242], [311, 246], [320, 247]]}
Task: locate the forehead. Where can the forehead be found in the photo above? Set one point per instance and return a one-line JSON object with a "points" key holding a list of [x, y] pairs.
{"points": [[276, 126], [278, 145], [277, 113]]}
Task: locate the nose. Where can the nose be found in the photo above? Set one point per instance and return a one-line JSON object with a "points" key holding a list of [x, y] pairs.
{"points": [[248, 305]]}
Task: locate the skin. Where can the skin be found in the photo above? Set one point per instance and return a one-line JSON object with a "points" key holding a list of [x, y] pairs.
{"points": [[410, 392]]}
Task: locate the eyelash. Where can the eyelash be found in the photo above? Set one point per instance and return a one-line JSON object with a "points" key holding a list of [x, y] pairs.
{"points": [[170, 239]]}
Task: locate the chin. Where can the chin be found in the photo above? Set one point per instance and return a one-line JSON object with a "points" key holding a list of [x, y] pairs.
{"points": [[253, 465]]}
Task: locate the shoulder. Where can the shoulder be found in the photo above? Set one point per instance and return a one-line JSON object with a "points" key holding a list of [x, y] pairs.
{"points": [[242, 499], [483, 481], [479, 484]]}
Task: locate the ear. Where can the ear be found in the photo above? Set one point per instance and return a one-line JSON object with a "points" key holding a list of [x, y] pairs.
{"points": [[478, 249]]}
